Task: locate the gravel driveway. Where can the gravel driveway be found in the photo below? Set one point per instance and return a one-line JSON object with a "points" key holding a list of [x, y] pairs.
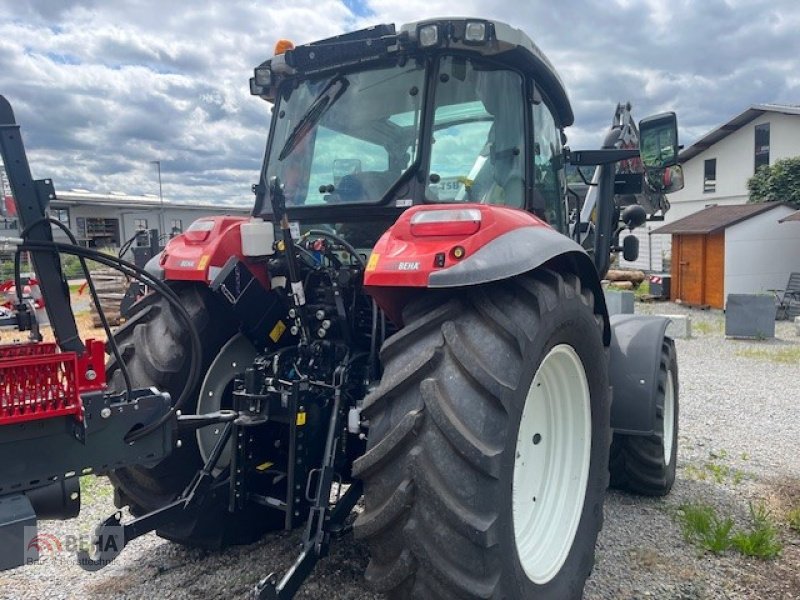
{"points": [[740, 413]]}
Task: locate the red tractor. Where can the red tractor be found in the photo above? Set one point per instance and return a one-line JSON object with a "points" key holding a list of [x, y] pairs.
{"points": [[407, 318]]}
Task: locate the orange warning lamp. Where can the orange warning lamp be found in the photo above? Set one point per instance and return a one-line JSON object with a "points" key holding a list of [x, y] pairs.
{"points": [[281, 46]]}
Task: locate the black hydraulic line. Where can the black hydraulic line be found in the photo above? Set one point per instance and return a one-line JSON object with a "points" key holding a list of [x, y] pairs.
{"points": [[172, 299], [92, 292], [373, 343], [127, 245], [18, 277], [296, 284], [339, 240], [383, 326], [148, 279]]}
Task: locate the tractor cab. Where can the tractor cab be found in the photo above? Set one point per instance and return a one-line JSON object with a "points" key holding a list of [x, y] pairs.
{"points": [[453, 111]]}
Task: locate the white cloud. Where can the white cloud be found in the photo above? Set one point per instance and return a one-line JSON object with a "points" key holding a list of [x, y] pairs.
{"points": [[103, 88]]}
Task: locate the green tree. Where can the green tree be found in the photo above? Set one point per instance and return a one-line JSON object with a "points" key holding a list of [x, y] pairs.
{"points": [[777, 183]]}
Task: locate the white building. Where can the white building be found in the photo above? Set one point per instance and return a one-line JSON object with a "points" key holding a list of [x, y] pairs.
{"points": [[110, 219], [716, 169], [717, 166]]}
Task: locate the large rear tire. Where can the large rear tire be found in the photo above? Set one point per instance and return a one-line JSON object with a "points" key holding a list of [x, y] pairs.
{"points": [[646, 464], [486, 467], [154, 344]]}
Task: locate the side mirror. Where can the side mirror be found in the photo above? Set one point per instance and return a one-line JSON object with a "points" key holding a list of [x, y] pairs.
{"points": [[630, 248], [665, 181], [634, 216], [658, 141]]}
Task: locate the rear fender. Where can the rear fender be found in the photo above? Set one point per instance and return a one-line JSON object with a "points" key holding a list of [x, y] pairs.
{"points": [[635, 357], [202, 250], [510, 242], [521, 251]]}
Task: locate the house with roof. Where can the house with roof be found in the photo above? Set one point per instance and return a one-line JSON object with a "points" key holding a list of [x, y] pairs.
{"points": [[732, 249], [717, 166]]}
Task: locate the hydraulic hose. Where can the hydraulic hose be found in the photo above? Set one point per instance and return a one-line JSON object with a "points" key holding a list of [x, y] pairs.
{"points": [[135, 272], [93, 293]]}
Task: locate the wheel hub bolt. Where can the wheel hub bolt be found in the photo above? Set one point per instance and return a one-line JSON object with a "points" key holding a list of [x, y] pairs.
{"points": [[537, 438]]}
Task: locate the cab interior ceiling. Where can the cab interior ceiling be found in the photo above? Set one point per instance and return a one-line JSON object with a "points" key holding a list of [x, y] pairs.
{"points": [[375, 125]]}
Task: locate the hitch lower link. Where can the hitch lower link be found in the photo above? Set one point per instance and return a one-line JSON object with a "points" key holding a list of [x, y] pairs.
{"points": [[111, 536], [325, 520]]}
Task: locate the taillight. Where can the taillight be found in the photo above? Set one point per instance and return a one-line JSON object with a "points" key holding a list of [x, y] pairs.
{"points": [[199, 230], [446, 222]]}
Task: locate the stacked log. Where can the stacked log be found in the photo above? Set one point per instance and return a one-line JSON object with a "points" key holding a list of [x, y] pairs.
{"points": [[625, 279], [111, 286]]}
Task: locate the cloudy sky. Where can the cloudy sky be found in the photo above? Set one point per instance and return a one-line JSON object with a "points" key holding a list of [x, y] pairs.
{"points": [[104, 88]]}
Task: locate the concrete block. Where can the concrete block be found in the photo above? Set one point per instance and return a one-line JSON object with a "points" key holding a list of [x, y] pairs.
{"points": [[680, 326], [619, 303], [750, 316], [797, 325]]}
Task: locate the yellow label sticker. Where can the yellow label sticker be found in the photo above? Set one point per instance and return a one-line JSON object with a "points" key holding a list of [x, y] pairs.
{"points": [[301, 418], [264, 466], [203, 262], [277, 331], [373, 261]]}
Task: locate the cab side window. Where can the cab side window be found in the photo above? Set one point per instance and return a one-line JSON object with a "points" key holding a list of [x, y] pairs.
{"points": [[549, 183]]}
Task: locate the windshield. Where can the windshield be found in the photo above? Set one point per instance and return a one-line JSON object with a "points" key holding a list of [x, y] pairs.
{"points": [[346, 138]]}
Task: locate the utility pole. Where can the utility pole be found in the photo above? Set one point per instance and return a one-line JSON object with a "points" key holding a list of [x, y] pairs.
{"points": [[161, 221]]}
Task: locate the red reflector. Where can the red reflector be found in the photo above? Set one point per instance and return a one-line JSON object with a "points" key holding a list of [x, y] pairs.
{"points": [[446, 222]]}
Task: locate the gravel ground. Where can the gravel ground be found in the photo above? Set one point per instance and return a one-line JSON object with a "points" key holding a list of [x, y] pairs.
{"points": [[740, 410]]}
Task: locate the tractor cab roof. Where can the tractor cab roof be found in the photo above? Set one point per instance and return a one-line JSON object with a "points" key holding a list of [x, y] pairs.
{"points": [[492, 39]]}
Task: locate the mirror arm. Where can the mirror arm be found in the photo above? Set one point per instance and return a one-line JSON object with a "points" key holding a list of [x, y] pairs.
{"points": [[605, 223], [588, 158]]}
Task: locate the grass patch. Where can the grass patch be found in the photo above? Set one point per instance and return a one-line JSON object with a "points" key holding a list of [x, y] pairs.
{"points": [[781, 355], [95, 488], [708, 327], [704, 528], [793, 518], [715, 471], [761, 540]]}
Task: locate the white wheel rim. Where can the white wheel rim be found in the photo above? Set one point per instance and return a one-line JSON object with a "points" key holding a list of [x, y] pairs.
{"points": [[551, 464], [669, 418]]}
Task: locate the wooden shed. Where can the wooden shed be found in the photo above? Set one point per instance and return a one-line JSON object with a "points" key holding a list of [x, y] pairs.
{"points": [[734, 249]]}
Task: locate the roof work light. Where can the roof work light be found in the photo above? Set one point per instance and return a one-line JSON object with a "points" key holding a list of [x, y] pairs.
{"points": [[263, 76], [475, 32], [428, 35]]}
